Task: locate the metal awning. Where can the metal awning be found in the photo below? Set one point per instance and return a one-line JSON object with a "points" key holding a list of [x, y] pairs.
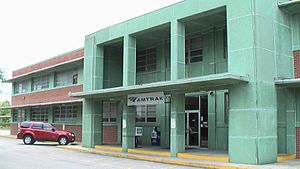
{"points": [[202, 83], [43, 104], [290, 6], [289, 83], [49, 69]]}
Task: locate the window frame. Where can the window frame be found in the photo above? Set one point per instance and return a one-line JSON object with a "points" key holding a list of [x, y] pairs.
{"points": [[19, 115], [67, 77], [40, 83], [145, 116], [110, 114], [21, 85], [39, 114], [70, 112], [189, 50], [145, 63]]}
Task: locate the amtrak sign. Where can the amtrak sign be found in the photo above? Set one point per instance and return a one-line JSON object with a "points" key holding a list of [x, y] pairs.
{"points": [[146, 99]]}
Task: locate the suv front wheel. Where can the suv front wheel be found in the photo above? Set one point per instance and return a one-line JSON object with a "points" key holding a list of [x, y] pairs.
{"points": [[63, 140], [28, 139]]}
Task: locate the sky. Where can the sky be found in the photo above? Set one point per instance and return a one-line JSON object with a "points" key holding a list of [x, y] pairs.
{"points": [[34, 30]]}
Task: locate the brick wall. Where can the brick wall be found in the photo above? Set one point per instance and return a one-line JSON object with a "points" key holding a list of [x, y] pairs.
{"points": [[54, 95], [110, 135], [298, 142], [49, 62], [297, 64], [76, 129], [13, 129]]}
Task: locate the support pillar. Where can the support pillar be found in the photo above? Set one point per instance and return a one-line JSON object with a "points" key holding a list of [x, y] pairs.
{"points": [[92, 123], [177, 50], [93, 65], [177, 144], [253, 106], [128, 127], [129, 61]]}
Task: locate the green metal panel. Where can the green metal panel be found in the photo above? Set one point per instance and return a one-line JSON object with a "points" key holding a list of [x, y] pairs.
{"points": [[296, 31], [177, 50], [113, 67], [129, 61], [177, 142], [212, 120], [253, 105], [92, 123], [128, 127], [93, 65]]}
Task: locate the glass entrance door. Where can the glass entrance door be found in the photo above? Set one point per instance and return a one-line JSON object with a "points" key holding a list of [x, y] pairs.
{"points": [[193, 128]]}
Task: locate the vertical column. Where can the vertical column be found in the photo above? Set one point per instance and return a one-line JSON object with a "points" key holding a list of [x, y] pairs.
{"points": [[177, 50], [129, 61], [253, 106], [51, 81], [212, 120], [50, 115], [119, 121], [290, 121], [92, 123], [164, 122], [93, 64], [128, 127], [177, 144], [296, 31]]}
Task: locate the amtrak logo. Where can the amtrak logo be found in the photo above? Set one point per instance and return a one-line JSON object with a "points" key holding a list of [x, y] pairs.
{"points": [[148, 98]]}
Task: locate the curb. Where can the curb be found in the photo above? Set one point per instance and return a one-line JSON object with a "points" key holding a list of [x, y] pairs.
{"points": [[153, 159], [10, 136]]}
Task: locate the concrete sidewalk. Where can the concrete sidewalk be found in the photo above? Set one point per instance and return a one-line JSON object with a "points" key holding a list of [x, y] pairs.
{"points": [[292, 164]]}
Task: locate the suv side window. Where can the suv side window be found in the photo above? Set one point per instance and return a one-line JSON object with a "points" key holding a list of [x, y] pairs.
{"points": [[48, 127], [37, 126], [25, 125]]}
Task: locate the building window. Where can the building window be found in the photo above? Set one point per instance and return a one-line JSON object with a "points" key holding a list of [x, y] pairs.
{"points": [[39, 83], [19, 115], [20, 87], [39, 114], [146, 113], [194, 50], [146, 60], [109, 112], [66, 78], [66, 113]]}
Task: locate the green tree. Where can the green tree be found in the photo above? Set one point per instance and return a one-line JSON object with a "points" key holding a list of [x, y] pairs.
{"points": [[4, 112]]}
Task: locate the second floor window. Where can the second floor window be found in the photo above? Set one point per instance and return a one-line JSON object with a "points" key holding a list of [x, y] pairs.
{"points": [[194, 50], [146, 60], [20, 87], [39, 83], [66, 78]]}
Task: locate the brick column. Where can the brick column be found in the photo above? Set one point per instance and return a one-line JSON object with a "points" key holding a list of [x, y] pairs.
{"points": [[297, 64], [298, 142]]}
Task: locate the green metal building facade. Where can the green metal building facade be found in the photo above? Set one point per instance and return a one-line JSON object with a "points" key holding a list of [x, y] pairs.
{"points": [[234, 57]]}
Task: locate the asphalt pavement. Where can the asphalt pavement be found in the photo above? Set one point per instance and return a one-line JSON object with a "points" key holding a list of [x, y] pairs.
{"points": [[15, 155]]}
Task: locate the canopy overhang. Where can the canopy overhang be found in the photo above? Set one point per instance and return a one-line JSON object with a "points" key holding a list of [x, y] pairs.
{"points": [[42, 104], [210, 82], [288, 83], [292, 7]]}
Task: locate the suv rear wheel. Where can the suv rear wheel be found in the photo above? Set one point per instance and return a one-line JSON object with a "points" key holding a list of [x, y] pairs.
{"points": [[63, 140], [28, 139]]}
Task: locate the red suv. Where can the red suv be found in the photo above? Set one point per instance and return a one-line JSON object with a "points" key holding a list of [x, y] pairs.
{"points": [[39, 131]]}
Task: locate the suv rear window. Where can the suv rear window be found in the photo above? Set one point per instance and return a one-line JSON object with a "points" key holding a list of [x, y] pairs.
{"points": [[37, 126], [25, 125]]}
